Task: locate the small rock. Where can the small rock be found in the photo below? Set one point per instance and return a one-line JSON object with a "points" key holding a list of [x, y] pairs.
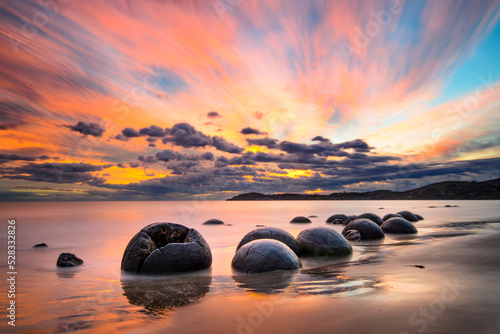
{"points": [[213, 222], [312, 216], [353, 235], [300, 220], [43, 244], [68, 260], [419, 217], [260, 225]]}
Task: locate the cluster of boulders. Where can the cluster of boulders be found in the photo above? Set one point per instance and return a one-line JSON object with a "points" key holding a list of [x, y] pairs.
{"points": [[369, 226], [161, 248]]}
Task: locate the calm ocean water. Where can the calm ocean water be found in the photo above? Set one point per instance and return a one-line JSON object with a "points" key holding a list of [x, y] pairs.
{"points": [[97, 297]]}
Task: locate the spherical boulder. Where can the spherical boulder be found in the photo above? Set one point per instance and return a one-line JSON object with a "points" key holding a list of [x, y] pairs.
{"points": [[419, 217], [398, 226], [161, 248], [68, 260], [373, 217], [368, 230], [271, 233], [409, 216], [263, 255], [336, 219], [213, 222], [391, 215], [300, 220], [323, 241]]}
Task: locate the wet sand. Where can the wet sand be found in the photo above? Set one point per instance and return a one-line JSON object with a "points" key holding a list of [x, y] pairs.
{"points": [[456, 291]]}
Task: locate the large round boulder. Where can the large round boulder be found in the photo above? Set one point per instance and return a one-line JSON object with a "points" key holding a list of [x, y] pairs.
{"points": [[323, 241], [300, 220], [213, 222], [161, 248], [371, 216], [409, 216], [398, 226], [263, 255], [336, 219], [391, 215], [271, 233], [367, 229]]}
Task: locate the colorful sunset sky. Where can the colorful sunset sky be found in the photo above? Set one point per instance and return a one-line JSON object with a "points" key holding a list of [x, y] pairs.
{"points": [[186, 99]]}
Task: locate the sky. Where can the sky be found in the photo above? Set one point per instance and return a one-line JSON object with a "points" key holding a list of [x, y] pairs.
{"points": [[191, 99]]}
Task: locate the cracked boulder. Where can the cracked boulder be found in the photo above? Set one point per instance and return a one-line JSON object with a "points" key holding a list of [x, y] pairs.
{"points": [[263, 255], [271, 233], [371, 216], [162, 248], [368, 230]]}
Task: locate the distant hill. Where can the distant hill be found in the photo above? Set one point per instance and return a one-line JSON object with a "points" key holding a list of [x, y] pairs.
{"points": [[458, 190]]}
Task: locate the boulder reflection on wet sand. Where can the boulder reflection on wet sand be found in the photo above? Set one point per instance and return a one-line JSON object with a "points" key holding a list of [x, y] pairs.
{"points": [[159, 295], [267, 283]]}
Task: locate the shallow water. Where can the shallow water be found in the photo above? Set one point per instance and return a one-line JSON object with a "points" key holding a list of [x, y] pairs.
{"points": [[322, 296]]}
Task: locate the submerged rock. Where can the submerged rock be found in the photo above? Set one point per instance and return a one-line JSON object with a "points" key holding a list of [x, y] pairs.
{"points": [[409, 216], [371, 216], [68, 260], [263, 255], [213, 222], [336, 219], [367, 229], [398, 226], [391, 215], [322, 241], [300, 220], [165, 248], [43, 244], [271, 233]]}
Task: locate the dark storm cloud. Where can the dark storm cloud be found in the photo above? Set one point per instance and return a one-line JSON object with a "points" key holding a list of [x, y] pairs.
{"points": [[223, 145], [15, 157], [267, 142], [213, 114], [9, 126], [90, 129], [251, 131], [130, 133], [185, 135], [321, 138], [53, 172], [152, 131]]}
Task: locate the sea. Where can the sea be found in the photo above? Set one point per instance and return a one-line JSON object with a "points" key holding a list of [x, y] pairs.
{"points": [[382, 286]]}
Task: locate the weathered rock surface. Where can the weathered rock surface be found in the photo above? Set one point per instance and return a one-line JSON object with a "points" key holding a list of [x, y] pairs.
{"points": [[271, 233], [391, 215], [398, 226], [367, 229], [213, 222], [263, 255], [68, 260], [409, 216], [373, 217], [161, 248], [323, 241], [300, 220], [336, 219]]}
